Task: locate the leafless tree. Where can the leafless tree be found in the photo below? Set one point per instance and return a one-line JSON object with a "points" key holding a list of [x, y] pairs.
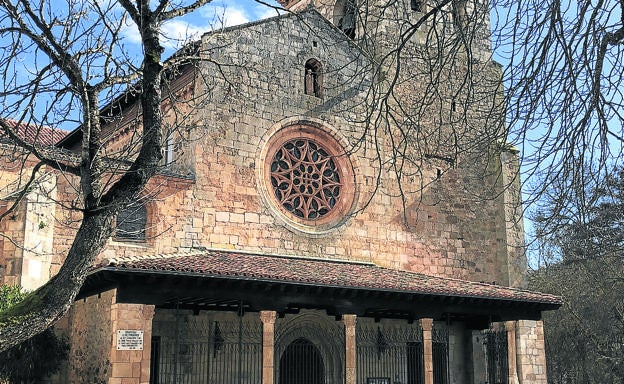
{"points": [[58, 59], [563, 78], [437, 103], [581, 258]]}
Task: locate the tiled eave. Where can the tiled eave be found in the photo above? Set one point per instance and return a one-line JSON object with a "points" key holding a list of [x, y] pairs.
{"points": [[306, 282], [34, 134]]}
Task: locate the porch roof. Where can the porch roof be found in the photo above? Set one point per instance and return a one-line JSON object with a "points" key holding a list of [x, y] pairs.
{"points": [[321, 272], [262, 271]]}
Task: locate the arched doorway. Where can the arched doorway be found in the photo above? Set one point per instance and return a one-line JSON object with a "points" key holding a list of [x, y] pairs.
{"points": [[301, 363]]}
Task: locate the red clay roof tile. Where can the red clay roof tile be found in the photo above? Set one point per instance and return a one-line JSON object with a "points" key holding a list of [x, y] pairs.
{"points": [[33, 134], [321, 272]]}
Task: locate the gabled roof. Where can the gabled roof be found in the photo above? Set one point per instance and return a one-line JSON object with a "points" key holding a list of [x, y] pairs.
{"points": [[33, 134], [322, 273], [300, 15], [130, 96]]}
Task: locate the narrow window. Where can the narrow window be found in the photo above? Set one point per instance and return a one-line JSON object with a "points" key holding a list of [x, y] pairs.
{"points": [[346, 16], [168, 147], [417, 5], [459, 13], [313, 78], [131, 223]]}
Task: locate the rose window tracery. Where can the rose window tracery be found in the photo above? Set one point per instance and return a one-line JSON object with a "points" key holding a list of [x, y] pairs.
{"points": [[305, 179], [308, 179]]}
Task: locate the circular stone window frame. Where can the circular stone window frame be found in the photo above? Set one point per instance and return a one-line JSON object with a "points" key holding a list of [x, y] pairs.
{"points": [[328, 138]]}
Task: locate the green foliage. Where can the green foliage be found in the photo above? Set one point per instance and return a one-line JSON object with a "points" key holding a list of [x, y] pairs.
{"points": [[9, 296], [15, 305], [35, 358]]}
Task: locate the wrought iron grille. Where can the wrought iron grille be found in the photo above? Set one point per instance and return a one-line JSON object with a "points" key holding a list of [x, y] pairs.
{"points": [[496, 356], [232, 354], [302, 363], [440, 349], [392, 353], [132, 222], [309, 350]]}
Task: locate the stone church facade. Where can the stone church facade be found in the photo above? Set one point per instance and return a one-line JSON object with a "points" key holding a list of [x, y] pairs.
{"points": [[276, 246]]}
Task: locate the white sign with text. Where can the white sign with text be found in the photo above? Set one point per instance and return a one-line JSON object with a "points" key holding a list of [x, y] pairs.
{"points": [[129, 340]]}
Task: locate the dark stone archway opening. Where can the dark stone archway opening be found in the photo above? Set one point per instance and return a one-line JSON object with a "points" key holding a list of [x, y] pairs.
{"points": [[301, 363]]}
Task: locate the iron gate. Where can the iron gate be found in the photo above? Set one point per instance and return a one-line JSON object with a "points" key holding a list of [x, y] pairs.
{"points": [[496, 356], [309, 349], [389, 355], [440, 350], [302, 363], [232, 353]]}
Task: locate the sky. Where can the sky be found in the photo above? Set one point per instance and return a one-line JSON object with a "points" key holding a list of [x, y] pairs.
{"points": [[215, 15], [27, 63]]}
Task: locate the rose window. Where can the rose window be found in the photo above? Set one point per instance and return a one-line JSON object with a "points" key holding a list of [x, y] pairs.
{"points": [[308, 178], [305, 179]]}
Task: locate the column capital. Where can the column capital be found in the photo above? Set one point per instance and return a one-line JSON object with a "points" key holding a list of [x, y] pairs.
{"points": [[268, 317], [349, 320], [426, 324], [510, 325]]}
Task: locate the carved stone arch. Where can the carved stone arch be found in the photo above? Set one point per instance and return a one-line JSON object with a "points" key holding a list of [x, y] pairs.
{"points": [[320, 330], [313, 81]]}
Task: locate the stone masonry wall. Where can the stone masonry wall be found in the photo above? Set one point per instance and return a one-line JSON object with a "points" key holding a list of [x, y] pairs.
{"points": [[94, 358], [39, 233], [91, 338], [531, 357], [131, 367], [27, 233], [456, 234], [446, 228], [12, 227]]}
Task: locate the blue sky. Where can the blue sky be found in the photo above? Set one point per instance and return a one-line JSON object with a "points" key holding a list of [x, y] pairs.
{"points": [[217, 14]]}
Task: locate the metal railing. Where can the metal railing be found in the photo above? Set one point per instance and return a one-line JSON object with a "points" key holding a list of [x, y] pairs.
{"points": [[229, 356], [496, 356], [390, 355]]}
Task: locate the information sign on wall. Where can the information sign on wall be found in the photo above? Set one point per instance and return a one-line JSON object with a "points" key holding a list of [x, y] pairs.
{"points": [[129, 340]]}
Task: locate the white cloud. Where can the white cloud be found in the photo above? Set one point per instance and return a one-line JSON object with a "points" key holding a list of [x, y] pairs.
{"points": [[218, 16], [131, 33], [264, 12], [176, 33]]}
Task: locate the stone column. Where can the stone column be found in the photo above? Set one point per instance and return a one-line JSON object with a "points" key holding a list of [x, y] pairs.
{"points": [[38, 249], [130, 364], [268, 345], [427, 330], [510, 327], [350, 349], [531, 353]]}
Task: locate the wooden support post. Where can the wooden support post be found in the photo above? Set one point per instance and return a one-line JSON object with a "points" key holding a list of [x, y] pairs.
{"points": [[268, 345], [427, 329], [350, 349], [510, 327]]}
